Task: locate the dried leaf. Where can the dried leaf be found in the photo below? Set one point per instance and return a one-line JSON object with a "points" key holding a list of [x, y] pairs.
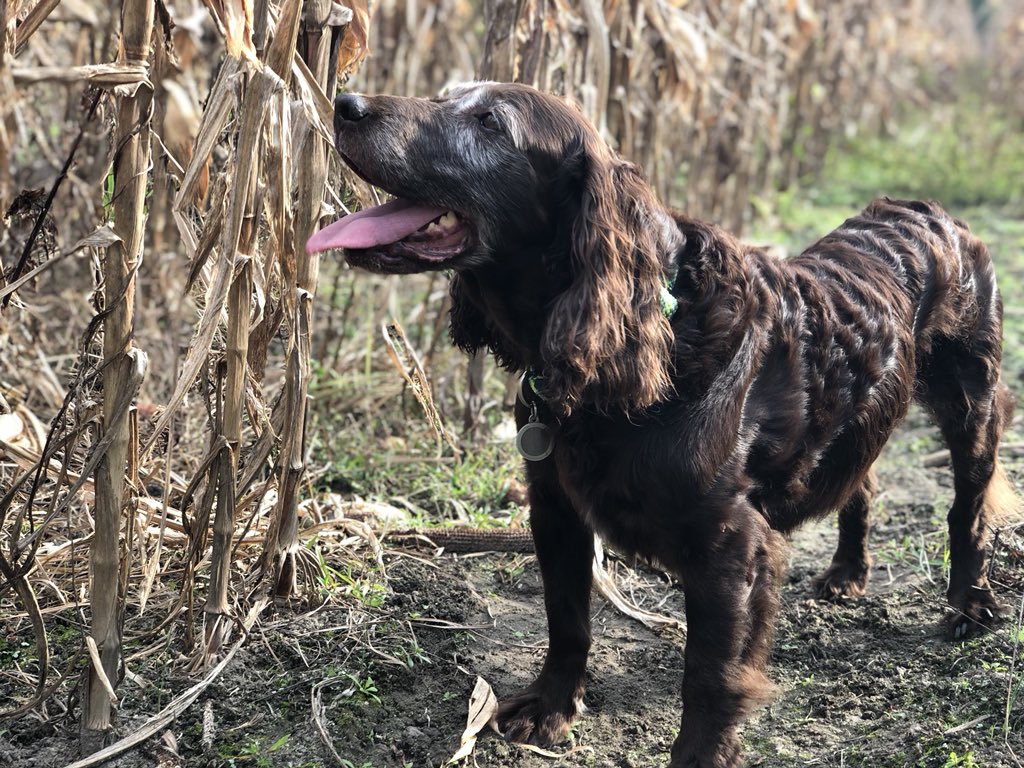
{"points": [[551, 753], [354, 44], [806, 18], [101, 237], [11, 428], [97, 665], [221, 105], [108, 76], [180, 128], [234, 20], [409, 365], [681, 28], [483, 706]]}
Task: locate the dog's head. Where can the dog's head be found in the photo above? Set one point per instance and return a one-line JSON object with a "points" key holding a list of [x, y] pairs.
{"points": [[500, 172], [474, 172]]}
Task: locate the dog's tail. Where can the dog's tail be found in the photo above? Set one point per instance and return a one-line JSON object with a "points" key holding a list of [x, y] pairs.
{"points": [[1002, 504]]}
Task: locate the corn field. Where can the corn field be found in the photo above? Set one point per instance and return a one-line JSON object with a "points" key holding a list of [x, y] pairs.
{"points": [[161, 325]]}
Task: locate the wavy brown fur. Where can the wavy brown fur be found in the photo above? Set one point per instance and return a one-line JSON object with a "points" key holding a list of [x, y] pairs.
{"points": [[698, 442], [606, 341]]}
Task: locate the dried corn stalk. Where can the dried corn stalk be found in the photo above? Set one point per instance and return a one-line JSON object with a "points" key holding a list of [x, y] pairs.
{"points": [[720, 101], [8, 96], [123, 368]]}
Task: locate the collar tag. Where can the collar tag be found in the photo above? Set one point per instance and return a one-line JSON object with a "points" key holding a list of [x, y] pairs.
{"points": [[535, 441]]}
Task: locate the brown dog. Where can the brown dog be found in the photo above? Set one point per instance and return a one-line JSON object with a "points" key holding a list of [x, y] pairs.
{"points": [[687, 397]]}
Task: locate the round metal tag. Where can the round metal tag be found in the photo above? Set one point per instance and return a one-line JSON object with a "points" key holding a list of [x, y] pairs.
{"points": [[535, 441]]}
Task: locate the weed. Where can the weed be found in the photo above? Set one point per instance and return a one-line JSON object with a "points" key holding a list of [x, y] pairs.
{"points": [[965, 760], [12, 652], [251, 752], [411, 654], [108, 196], [369, 593], [362, 689]]}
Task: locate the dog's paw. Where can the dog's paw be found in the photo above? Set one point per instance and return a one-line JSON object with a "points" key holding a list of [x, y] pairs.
{"points": [[723, 753], [538, 718], [842, 580], [973, 614]]}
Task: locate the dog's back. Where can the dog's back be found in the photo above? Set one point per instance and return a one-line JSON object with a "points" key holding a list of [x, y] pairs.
{"points": [[912, 263], [898, 303], [932, 260]]}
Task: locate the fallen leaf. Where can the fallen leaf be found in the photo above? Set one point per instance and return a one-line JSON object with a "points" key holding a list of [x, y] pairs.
{"points": [[483, 706]]}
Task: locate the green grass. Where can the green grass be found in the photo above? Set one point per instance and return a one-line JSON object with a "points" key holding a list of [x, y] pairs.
{"points": [[391, 455], [967, 155], [963, 155], [254, 752]]}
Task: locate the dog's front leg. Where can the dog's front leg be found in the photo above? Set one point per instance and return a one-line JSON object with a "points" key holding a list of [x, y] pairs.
{"points": [[543, 713], [731, 585]]}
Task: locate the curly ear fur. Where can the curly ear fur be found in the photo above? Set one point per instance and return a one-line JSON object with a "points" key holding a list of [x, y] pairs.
{"points": [[607, 342], [471, 329]]}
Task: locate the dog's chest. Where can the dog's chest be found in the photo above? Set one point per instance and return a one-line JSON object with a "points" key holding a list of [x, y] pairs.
{"points": [[624, 481]]}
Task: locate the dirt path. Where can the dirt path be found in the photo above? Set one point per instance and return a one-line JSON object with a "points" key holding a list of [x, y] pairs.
{"points": [[870, 683]]}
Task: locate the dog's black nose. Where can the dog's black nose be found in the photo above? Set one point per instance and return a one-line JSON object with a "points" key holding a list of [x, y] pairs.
{"points": [[349, 108]]}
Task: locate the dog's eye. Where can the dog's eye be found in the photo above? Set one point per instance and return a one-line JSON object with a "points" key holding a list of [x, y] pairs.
{"points": [[489, 121]]}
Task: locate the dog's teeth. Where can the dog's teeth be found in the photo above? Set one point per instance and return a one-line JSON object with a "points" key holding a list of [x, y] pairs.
{"points": [[448, 220], [432, 227]]}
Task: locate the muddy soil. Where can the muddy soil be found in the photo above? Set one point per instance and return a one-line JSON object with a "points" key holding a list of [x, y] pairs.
{"points": [[865, 683]]}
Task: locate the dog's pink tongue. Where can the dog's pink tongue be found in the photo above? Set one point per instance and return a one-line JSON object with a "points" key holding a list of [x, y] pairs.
{"points": [[371, 227]]}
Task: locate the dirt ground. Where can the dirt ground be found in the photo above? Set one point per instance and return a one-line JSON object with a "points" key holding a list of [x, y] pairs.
{"points": [[870, 683]]}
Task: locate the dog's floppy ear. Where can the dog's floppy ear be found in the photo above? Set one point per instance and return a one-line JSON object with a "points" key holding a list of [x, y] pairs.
{"points": [[468, 325], [607, 342], [471, 329]]}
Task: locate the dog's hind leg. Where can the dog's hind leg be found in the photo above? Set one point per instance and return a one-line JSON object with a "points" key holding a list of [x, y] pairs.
{"points": [[847, 576], [543, 713], [981, 494], [731, 586], [962, 387]]}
